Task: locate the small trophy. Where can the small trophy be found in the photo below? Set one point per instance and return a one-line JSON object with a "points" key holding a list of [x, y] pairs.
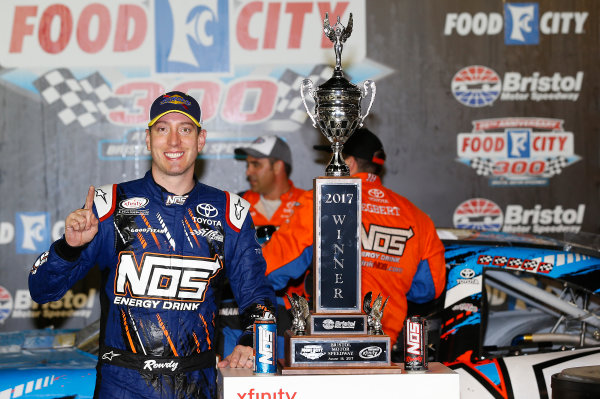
{"points": [[374, 313], [300, 313], [337, 102]]}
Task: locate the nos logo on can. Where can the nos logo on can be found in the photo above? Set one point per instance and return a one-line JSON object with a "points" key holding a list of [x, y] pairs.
{"points": [[478, 214]]}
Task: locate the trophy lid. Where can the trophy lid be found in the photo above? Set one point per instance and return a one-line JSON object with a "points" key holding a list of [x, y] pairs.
{"points": [[339, 82]]}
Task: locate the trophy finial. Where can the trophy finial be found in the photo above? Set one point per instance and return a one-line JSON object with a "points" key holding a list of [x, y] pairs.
{"points": [[338, 34]]}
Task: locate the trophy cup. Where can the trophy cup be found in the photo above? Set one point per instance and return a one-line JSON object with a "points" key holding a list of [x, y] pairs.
{"points": [[337, 102], [337, 337]]}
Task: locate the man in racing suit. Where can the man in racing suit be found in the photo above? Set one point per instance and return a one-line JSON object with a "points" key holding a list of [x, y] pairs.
{"points": [[272, 197], [162, 243], [402, 256]]}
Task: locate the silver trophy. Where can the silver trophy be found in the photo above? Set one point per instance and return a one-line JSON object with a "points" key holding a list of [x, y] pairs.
{"points": [[337, 102], [374, 313]]}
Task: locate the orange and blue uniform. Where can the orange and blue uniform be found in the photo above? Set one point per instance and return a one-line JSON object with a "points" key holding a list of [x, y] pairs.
{"points": [[282, 214], [402, 256]]}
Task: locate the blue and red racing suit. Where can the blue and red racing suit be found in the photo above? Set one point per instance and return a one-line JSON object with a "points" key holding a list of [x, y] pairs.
{"points": [[162, 257]]}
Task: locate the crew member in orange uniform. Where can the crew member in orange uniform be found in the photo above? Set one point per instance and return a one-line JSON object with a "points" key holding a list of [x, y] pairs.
{"points": [[402, 256], [272, 194]]}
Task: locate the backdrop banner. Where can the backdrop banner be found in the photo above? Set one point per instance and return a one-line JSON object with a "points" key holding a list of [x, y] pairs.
{"points": [[488, 111]]}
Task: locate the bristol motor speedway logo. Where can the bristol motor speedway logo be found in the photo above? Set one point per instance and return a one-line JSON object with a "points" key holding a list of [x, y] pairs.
{"points": [[522, 22], [517, 151], [485, 215], [480, 86]]}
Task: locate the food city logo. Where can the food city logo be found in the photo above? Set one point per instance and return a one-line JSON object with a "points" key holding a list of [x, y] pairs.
{"points": [[479, 86], [198, 36], [196, 46], [31, 231], [517, 151], [483, 214], [522, 23]]}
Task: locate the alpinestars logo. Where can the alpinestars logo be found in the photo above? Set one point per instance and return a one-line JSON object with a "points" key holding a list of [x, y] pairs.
{"points": [[165, 277]]}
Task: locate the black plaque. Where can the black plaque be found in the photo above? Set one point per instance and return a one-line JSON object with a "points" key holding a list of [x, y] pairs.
{"points": [[337, 244], [340, 352], [338, 324]]}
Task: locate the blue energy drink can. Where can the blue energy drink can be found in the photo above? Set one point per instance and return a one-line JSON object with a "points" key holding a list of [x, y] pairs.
{"points": [[265, 353]]}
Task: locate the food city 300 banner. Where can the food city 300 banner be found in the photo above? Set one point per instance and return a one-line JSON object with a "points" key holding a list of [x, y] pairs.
{"points": [[488, 110]]}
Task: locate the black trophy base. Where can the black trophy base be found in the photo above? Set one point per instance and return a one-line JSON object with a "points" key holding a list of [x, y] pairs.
{"points": [[337, 351]]}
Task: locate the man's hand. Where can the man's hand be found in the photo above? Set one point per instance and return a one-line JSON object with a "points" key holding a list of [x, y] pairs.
{"points": [[81, 225], [241, 357]]}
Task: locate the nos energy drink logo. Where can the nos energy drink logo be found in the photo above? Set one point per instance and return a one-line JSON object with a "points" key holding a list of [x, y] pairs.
{"points": [[192, 36]]}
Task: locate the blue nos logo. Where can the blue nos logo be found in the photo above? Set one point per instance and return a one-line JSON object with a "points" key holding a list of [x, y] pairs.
{"points": [[192, 36], [521, 23]]}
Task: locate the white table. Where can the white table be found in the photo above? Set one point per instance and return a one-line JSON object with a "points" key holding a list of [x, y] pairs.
{"points": [[438, 382]]}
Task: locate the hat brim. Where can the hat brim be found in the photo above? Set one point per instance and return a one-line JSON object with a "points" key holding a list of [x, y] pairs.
{"points": [[244, 152], [153, 121]]}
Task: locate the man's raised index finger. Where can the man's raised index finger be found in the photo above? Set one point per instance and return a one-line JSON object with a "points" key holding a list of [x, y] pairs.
{"points": [[89, 200]]}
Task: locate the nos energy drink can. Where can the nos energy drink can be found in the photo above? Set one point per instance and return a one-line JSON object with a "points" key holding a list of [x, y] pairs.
{"points": [[265, 353], [415, 344]]}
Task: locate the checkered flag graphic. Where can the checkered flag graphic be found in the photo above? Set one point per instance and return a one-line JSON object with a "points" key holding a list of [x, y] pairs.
{"points": [[99, 92], [499, 261], [84, 101], [545, 267], [484, 259], [555, 165], [514, 263], [290, 105], [529, 264], [482, 166]]}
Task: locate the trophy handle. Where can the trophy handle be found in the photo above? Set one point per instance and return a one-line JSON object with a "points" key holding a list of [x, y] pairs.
{"points": [[368, 90], [307, 88]]}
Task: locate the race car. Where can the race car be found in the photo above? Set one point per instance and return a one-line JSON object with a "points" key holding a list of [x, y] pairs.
{"points": [[517, 309], [48, 363]]}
